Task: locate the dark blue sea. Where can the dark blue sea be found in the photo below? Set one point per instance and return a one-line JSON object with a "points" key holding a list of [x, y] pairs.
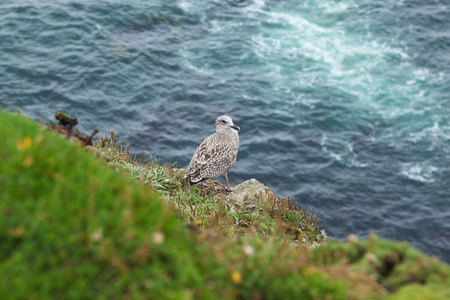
{"points": [[343, 105]]}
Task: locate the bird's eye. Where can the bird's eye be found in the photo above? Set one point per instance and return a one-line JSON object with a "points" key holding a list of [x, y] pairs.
{"points": [[223, 121]]}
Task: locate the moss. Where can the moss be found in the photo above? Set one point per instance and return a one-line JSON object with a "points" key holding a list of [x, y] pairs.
{"points": [[394, 265], [420, 292], [60, 114]]}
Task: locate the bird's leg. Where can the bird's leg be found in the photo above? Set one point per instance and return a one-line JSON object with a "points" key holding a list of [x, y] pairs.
{"points": [[228, 187]]}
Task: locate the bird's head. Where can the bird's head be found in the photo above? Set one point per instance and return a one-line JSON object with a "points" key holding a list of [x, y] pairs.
{"points": [[225, 123]]}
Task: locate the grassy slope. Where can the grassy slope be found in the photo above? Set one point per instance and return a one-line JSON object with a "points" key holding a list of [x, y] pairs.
{"points": [[72, 228], [71, 225]]}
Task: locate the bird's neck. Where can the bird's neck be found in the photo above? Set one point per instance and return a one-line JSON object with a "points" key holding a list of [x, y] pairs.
{"points": [[227, 130]]}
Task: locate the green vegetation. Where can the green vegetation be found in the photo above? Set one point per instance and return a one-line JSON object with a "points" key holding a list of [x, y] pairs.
{"points": [[73, 226]]}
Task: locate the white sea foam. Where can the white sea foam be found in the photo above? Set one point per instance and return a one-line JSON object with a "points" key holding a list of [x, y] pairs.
{"points": [[258, 4], [350, 62], [298, 52], [323, 140], [191, 6], [347, 157], [189, 62], [336, 156], [422, 171], [330, 6], [435, 137]]}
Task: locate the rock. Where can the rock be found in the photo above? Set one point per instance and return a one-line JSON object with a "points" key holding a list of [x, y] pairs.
{"points": [[252, 181], [246, 195]]}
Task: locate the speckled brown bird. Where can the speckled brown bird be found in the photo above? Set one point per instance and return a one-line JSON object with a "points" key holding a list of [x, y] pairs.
{"points": [[216, 154]]}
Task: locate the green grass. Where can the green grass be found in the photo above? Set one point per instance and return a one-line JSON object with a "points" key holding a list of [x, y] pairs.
{"points": [[74, 227]]}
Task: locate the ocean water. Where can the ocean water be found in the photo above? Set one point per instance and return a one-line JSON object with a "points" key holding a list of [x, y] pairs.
{"points": [[343, 105]]}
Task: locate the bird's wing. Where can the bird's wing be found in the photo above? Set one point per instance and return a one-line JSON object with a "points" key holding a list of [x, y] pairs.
{"points": [[211, 158]]}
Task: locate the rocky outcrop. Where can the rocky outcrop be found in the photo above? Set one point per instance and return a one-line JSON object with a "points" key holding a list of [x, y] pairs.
{"points": [[247, 195]]}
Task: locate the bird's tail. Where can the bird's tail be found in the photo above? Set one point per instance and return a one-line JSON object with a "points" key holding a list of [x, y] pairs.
{"points": [[189, 179]]}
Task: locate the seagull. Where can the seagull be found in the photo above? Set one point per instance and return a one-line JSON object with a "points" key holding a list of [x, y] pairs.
{"points": [[216, 154]]}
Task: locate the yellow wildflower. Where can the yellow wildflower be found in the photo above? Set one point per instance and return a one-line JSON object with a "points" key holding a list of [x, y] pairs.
{"points": [[236, 277], [24, 144]]}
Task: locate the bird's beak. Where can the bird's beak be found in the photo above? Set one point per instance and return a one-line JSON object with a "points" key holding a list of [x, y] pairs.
{"points": [[236, 128]]}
